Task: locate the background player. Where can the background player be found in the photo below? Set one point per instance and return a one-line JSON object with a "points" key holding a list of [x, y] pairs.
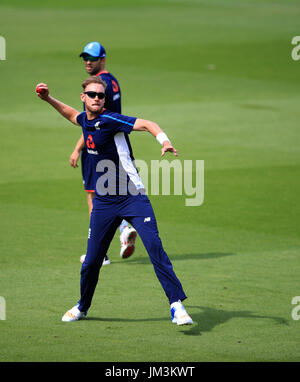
{"points": [[111, 144], [94, 56]]}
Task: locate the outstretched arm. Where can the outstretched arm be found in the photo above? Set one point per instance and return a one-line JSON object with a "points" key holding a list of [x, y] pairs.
{"points": [[66, 111], [156, 131]]}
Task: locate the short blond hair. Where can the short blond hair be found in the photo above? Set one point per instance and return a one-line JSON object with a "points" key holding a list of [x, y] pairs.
{"points": [[93, 80]]}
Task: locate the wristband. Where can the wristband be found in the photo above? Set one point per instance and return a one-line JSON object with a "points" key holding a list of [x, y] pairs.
{"points": [[162, 137]]}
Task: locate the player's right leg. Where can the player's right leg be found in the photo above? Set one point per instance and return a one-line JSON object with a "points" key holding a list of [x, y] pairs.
{"points": [[90, 197], [103, 225], [89, 181]]}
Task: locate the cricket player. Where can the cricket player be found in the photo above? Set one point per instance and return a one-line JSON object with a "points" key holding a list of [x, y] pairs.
{"points": [[94, 57], [120, 194]]}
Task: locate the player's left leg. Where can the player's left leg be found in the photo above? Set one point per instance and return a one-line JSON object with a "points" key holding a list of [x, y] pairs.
{"points": [[144, 222], [147, 230]]}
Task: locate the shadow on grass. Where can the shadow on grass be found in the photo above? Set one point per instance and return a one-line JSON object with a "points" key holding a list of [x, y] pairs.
{"points": [[207, 318], [204, 321], [187, 256], [257, 107], [110, 319]]}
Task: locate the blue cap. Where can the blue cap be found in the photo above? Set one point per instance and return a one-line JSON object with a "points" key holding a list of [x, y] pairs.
{"points": [[94, 49]]}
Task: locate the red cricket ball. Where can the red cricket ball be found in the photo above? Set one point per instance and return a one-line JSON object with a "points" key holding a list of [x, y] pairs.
{"points": [[38, 89]]}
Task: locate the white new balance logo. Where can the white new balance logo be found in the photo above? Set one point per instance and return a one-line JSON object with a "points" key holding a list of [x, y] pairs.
{"points": [[147, 220], [97, 125]]}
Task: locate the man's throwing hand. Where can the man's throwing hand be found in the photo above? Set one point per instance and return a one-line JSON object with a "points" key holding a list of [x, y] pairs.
{"points": [[42, 90]]}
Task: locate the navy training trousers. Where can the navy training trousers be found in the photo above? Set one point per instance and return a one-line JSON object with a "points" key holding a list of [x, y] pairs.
{"points": [[107, 214]]}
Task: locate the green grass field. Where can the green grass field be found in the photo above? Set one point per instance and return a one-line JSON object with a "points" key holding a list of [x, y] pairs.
{"points": [[218, 77]]}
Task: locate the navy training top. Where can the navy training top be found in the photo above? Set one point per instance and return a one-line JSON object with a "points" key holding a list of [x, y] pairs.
{"points": [[108, 146]]}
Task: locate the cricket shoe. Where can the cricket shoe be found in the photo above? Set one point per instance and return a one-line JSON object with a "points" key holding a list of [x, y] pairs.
{"points": [[127, 238], [106, 260], [73, 314], [179, 315]]}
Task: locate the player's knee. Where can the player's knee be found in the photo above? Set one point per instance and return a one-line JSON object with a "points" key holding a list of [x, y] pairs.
{"points": [[154, 246]]}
